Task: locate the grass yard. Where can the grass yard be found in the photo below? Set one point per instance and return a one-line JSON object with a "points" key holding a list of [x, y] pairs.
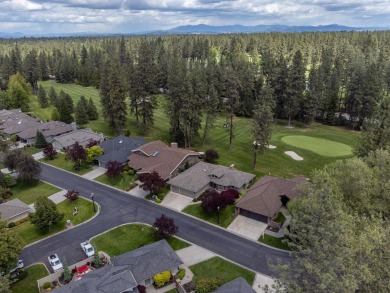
{"points": [[280, 218], [320, 146], [221, 270], [129, 237], [61, 162], [273, 241], [122, 182], [32, 150], [28, 191], [30, 233], [226, 216], [29, 284]]}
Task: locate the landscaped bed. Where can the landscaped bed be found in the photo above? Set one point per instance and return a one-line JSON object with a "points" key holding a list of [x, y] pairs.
{"points": [[29, 284], [68, 165], [28, 191], [129, 237], [30, 233], [226, 216]]}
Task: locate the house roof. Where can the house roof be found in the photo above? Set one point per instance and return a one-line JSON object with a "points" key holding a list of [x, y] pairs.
{"points": [[18, 125], [149, 260], [82, 136], [51, 128], [201, 174], [13, 208], [264, 196], [157, 156], [127, 270], [119, 148], [237, 285]]}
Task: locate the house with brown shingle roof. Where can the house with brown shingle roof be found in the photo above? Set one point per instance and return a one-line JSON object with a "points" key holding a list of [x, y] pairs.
{"points": [[167, 161], [264, 199]]}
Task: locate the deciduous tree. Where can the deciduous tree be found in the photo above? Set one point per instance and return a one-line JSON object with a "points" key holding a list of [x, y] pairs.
{"points": [[77, 154], [49, 152], [93, 153], [213, 202], [19, 91], [151, 182], [11, 245], [28, 168], [72, 194], [46, 214], [114, 169], [164, 227], [211, 155]]}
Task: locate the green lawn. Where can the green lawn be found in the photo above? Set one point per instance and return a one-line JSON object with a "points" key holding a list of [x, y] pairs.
{"points": [[31, 150], [30, 233], [29, 284], [280, 218], [28, 191], [122, 182], [61, 162], [320, 146], [226, 216], [221, 270], [273, 241], [273, 162], [128, 237]]}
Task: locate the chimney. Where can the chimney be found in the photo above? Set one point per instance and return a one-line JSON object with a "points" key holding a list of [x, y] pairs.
{"points": [[74, 125], [232, 167], [174, 145]]}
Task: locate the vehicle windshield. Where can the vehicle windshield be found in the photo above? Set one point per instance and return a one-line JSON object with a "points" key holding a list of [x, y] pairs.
{"points": [[89, 249], [56, 262]]}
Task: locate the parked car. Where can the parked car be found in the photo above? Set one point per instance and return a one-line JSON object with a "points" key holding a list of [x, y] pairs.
{"points": [[55, 262], [87, 248], [15, 271]]}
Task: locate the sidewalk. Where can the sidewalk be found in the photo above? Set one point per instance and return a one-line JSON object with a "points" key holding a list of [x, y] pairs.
{"points": [[96, 172], [194, 254]]}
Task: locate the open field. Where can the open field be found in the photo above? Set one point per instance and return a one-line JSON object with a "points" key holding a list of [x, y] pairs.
{"points": [[273, 162]]}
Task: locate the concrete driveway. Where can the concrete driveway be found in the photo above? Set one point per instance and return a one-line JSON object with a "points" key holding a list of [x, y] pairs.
{"points": [[138, 192], [176, 201], [247, 227]]}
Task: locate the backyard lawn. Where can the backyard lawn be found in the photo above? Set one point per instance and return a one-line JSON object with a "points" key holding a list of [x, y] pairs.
{"points": [[128, 237], [221, 270], [273, 241], [29, 284], [28, 191], [61, 162], [122, 182], [30, 233], [226, 216]]}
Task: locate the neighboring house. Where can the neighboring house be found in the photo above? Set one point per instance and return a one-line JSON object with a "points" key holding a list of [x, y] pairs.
{"points": [[238, 285], [264, 199], [118, 149], [14, 210], [166, 161], [82, 136], [127, 271], [18, 125], [49, 130], [7, 115], [202, 176]]}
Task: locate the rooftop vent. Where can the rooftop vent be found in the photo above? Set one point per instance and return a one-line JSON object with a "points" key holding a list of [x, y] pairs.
{"points": [[155, 153], [19, 122], [120, 141]]}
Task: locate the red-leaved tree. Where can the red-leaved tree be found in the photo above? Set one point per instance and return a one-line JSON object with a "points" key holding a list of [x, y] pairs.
{"points": [[91, 143], [72, 195], [230, 196], [213, 202], [76, 153], [114, 169], [49, 152], [165, 227], [151, 182]]}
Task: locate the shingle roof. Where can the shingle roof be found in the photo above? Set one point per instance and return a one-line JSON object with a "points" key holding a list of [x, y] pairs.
{"points": [[264, 196], [199, 175], [119, 148], [82, 136], [157, 156], [51, 128], [238, 285], [13, 208], [19, 125]]}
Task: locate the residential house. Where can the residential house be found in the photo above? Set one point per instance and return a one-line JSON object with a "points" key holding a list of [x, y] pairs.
{"points": [[49, 130], [264, 199], [167, 161], [82, 136], [14, 210], [15, 126], [202, 176], [118, 149], [127, 271], [238, 285]]}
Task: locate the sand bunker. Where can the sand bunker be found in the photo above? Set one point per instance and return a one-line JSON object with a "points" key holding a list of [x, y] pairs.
{"points": [[294, 155], [271, 147]]}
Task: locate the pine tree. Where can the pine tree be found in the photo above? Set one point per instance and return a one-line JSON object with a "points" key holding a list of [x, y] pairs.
{"points": [[63, 110], [40, 140], [68, 100], [55, 115], [81, 115], [42, 97], [31, 69], [233, 87], [53, 96], [92, 110]]}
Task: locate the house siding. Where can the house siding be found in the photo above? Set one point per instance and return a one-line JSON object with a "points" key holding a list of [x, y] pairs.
{"points": [[18, 217]]}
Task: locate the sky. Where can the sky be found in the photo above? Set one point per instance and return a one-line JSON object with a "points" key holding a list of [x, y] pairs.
{"points": [[127, 16]]}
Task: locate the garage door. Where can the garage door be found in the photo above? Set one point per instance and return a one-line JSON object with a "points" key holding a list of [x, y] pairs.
{"points": [[182, 191], [253, 215]]}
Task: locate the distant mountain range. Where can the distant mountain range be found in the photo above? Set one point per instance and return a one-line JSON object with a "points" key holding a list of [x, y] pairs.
{"points": [[209, 29]]}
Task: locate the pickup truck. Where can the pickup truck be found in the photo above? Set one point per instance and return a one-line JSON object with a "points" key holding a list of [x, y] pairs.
{"points": [[87, 248]]}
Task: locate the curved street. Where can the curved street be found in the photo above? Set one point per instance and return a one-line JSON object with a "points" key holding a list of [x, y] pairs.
{"points": [[118, 208]]}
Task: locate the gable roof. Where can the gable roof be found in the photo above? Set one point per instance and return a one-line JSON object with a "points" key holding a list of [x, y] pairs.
{"points": [[18, 125], [235, 286], [149, 260], [13, 208], [264, 196], [199, 175], [119, 148], [51, 128], [157, 156], [82, 136]]}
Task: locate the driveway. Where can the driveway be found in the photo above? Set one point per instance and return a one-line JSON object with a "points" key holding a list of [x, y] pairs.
{"points": [[194, 254], [176, 201], [138, 192], [246, 227]]}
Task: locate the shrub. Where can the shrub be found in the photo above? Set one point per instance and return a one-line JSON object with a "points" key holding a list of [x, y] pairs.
{"points": [[48, 289], [72, 195], [133, 185], [11, 225], [180, 275], [46, 285], [158, 200], [17, 223], [211, 156], [207, 285], [162, 278], [130, 172], [141, 289], [126, 168], [230, 196]]}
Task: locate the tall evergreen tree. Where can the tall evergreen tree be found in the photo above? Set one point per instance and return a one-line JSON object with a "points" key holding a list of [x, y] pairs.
{"points": [[81, 114], [31, 69], [40, 140], [92, 110], [53, 97], [63, 110], [233, 87], [42, 97], [55, 115]]}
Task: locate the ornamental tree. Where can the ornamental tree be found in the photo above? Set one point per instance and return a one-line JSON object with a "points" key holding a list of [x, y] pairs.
{"points": [[11, 159], [28, 168], [164, 227], [213, 202], [162, 278], [230, 196], [114, 169], [210, 156], [72, 194], [76, 153], [49, 152], [93, 153], [151, 182]]}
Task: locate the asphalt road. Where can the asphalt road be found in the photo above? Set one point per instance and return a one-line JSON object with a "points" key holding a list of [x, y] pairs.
{"points": [[118, 207]]}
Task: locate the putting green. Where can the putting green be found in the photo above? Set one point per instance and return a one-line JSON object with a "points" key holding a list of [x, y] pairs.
{"points": [[320, 146]]}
